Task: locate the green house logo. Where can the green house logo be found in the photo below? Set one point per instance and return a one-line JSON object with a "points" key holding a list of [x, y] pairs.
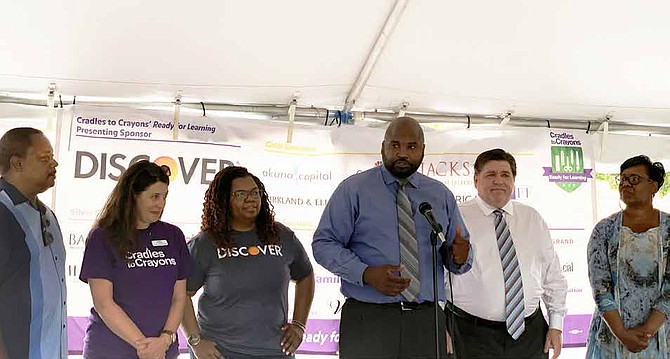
{"points": [[567, 168]]}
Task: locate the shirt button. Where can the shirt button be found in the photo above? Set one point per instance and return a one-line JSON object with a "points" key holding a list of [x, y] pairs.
{"points": [[56, 257]]}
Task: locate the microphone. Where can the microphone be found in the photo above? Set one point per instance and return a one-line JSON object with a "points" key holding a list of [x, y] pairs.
{"points": [[427, 211]]}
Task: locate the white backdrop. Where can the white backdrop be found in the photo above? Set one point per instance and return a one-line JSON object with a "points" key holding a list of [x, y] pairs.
{"points": [[555, 175]]}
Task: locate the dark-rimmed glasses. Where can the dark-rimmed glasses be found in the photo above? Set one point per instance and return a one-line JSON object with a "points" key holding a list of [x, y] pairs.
{"points": [[632, 179], [47, 237], [241, 195]]}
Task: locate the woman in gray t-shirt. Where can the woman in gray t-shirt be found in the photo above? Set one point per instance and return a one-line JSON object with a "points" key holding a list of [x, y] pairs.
{"points": [[244, 261]]}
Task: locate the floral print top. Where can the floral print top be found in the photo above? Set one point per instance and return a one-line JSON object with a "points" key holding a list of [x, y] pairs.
{"points": [[629, 272]]}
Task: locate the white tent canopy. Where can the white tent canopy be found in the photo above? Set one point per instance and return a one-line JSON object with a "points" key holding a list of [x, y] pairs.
{"points": [[595, 65], [561, 60]]}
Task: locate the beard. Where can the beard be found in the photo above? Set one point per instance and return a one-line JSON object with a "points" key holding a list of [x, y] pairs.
{"points": [[401, 168]]}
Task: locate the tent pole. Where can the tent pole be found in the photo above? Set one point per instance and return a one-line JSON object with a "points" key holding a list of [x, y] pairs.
{"points": [[375, 53]]}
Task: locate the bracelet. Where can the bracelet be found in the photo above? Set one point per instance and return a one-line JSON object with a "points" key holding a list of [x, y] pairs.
{"points": [[194, 341], [300, 324], [172, 335]]}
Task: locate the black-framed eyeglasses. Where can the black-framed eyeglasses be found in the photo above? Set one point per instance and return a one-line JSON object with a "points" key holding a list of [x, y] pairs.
{"points": [[47, 237], [241, 195], [166, 169], [632, 179]]}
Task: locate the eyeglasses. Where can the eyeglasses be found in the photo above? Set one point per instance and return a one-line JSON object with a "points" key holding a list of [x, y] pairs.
{"points": [[241, 195], [632, 179], [166, 169], [47, 237]]}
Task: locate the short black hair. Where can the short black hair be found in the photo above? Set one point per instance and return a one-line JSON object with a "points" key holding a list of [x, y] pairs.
{"points": [[496, 154], [655, 170], [15, 142]]}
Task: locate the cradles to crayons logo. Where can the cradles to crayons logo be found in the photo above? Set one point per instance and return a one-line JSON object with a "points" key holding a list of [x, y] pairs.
{"points": [[567, 162], [250, 251], [111, 166], [149, 258]]}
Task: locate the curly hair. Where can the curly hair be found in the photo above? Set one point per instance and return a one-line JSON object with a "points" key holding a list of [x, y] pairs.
{"points": [[217, 217], [654, 169], [119, 216]]}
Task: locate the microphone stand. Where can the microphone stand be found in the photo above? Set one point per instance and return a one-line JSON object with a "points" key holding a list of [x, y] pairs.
{"points": [[433, 242], [450, 315]]}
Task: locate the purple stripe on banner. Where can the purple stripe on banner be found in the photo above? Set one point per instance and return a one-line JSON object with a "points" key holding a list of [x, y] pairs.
{"points": [[576, 330], [76, 329], [322, 336], [567, 176]]}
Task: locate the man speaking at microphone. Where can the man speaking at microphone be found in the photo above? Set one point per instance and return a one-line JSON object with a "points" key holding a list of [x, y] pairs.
{"points": [[373, 237]]}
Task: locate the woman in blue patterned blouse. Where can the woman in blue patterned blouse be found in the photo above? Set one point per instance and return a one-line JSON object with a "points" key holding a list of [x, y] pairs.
{"points": [[629, 271]]}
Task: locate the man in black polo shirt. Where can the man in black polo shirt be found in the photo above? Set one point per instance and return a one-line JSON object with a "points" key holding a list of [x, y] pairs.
{"points": [[33, 313]]}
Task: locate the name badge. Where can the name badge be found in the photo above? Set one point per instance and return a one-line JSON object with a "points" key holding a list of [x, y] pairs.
{"points": [[159, 242]]}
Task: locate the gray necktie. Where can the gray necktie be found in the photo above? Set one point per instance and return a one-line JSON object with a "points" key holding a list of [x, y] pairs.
{"points": [[514, 304], [409, 248]]}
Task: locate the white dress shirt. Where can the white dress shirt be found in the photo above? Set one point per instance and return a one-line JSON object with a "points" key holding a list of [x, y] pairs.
{"points": [[481, 291]]}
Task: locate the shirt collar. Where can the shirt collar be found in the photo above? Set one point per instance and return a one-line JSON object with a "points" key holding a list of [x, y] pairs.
{"points": [[487, 209], [389, 178], [17, 197]]}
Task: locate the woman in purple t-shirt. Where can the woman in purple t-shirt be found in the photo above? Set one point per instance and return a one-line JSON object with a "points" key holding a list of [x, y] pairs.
{"points": [[136, 267], [244, 261]]}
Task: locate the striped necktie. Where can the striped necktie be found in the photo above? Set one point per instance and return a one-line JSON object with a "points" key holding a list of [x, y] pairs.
{"points": [[409, 248], [514, 303]]}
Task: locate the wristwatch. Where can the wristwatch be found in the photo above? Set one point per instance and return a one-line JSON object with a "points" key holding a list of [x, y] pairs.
{"points": [[195, 340], [173, 335]]}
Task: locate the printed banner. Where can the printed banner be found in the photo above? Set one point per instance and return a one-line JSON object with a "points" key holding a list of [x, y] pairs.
{"points": [[97, 144]]}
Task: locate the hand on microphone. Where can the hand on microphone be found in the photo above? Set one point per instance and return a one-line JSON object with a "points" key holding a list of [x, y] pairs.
{"points": [[386, 279], [460, 248]]}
